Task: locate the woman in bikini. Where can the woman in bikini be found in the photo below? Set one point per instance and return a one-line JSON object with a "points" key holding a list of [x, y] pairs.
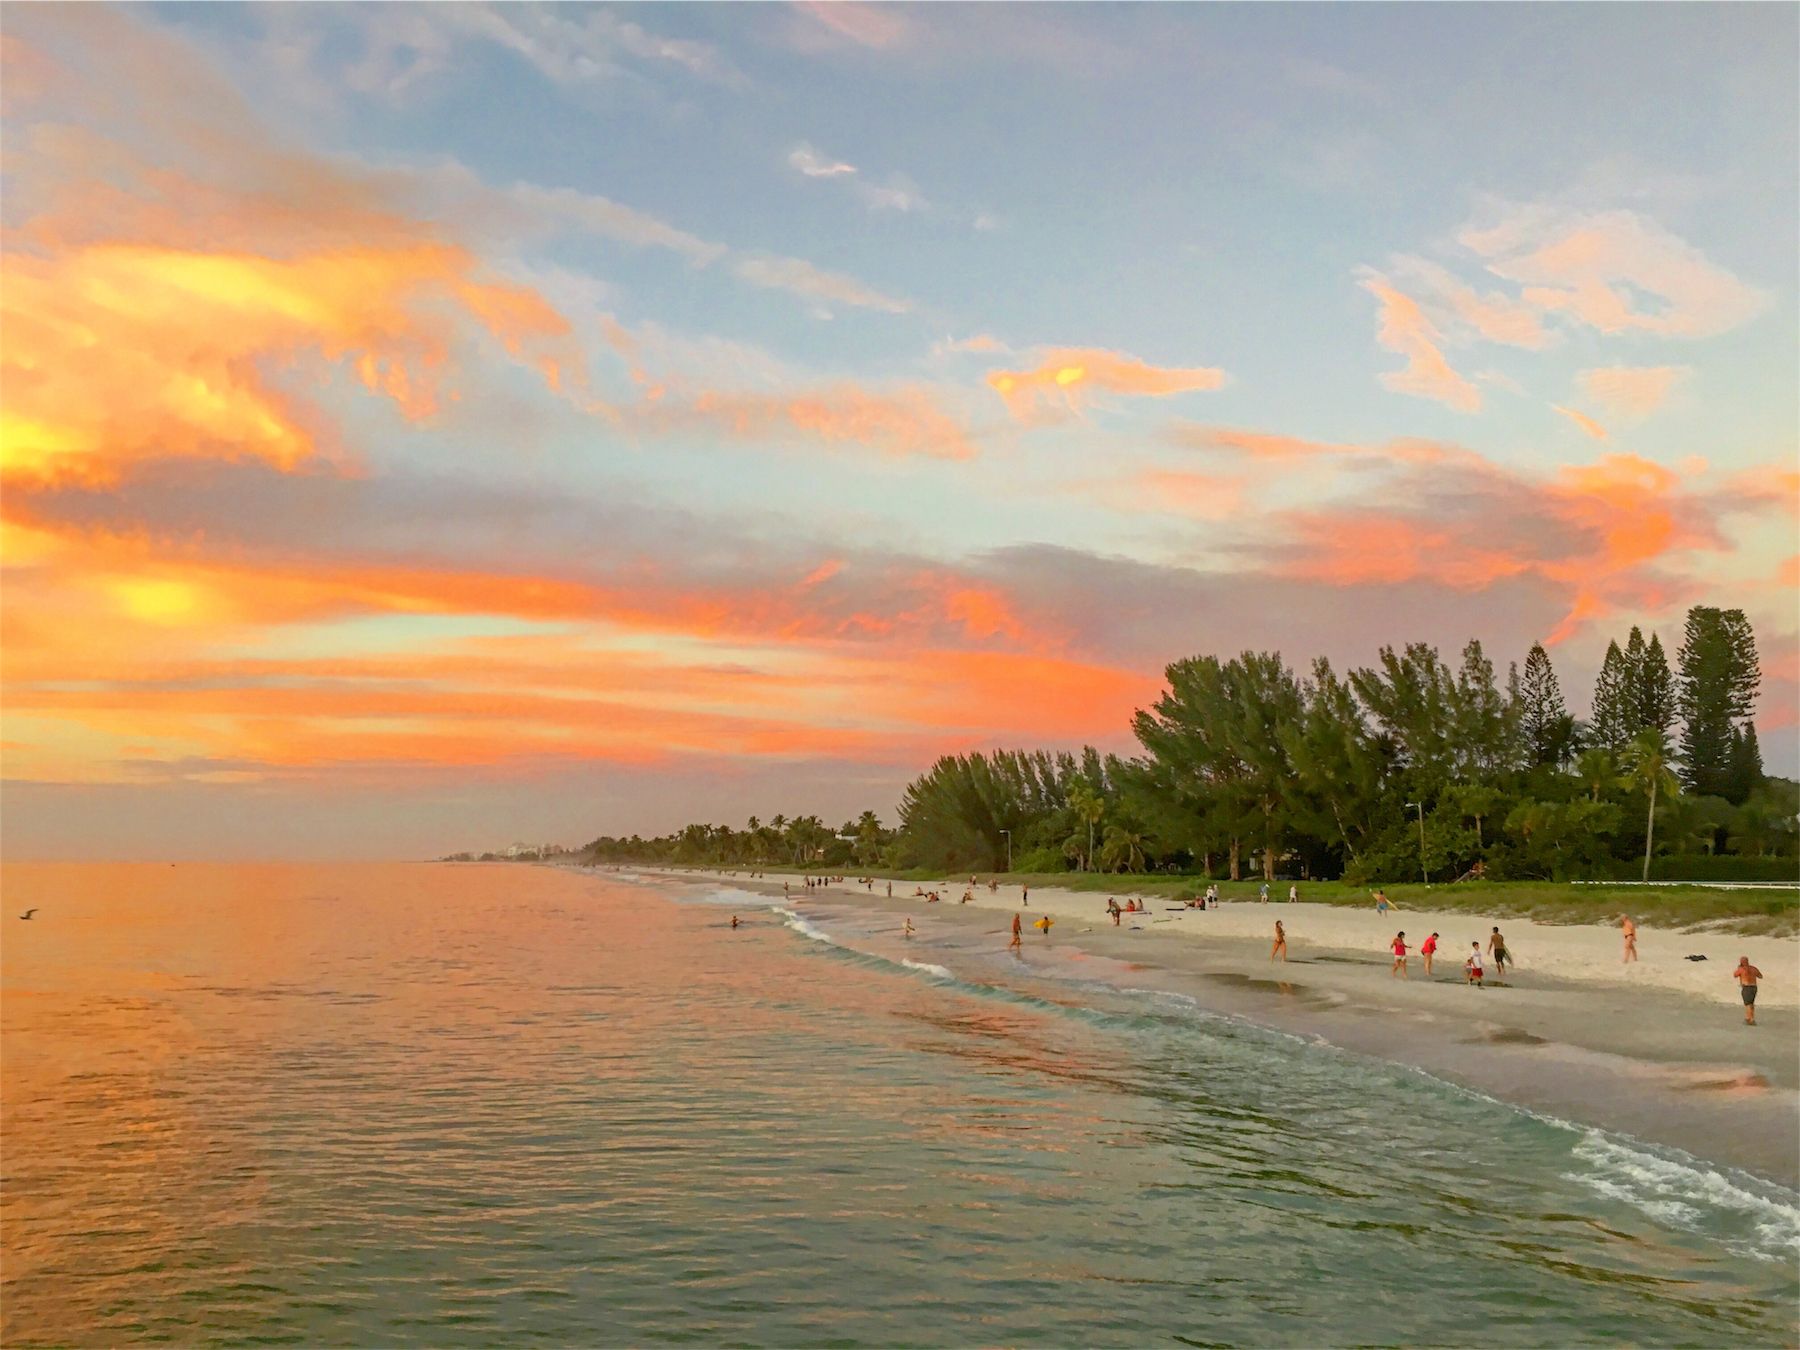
{"points": [[1280, 947]]}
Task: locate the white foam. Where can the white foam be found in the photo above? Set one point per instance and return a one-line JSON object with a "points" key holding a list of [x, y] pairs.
{"points": [[1688, 1194], [936, 972], [805, 929]]}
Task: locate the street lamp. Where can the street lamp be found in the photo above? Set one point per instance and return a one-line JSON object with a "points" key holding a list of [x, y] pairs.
{"points": [[1008, 834], [1423, 874]]}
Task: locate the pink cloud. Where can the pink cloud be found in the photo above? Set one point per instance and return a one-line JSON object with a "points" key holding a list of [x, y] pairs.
{"points": [[1068, 378], [1588, 425], [1404, 329], [1631, 392]]}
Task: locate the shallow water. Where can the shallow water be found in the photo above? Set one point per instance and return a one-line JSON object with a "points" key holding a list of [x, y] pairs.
{"points": [[467, 1104]]}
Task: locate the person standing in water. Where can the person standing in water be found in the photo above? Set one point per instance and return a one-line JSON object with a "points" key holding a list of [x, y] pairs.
{"points": [[1629, 929], [1017, 933], [1427, 951], [908, 930], [734, 922], [1399, 945], [1497, 949], [1280, 947], [1747, 975]]}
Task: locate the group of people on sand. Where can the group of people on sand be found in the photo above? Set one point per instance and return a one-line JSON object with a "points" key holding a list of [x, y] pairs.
{"points": [[1474, 966]]}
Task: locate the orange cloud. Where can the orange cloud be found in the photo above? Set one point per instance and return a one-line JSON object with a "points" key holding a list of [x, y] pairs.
{"points": [[1404, 329], [1592, 267], [1275, 446], [116, 354], [1582, 420], [1631, 392], [1069, 377]]}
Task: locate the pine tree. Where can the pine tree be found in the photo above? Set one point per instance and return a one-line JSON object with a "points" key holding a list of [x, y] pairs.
{"points": [[1611, 725], [1744, 773], [1653, 693], [1544, 721], [1715, 692]]}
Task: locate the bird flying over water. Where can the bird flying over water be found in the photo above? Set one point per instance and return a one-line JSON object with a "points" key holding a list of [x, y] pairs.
{"points": [[28, 913]]}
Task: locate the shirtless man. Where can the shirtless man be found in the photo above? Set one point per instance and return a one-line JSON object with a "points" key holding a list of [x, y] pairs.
{"points": [[1018, 929], [1747, 975], [1630, 930], [1381, 902], [1280, 947], [1399, 970], [1497, 949], [1112, 908], [909, 929]]}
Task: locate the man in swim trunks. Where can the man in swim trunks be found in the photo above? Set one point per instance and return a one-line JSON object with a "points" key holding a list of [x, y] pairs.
{"points": [[1399, 970], [1497, 948], [1381, 902], [1280, 947], [1018, 929], [1112, 908], [1747, 975], [1429, 950], [1472, 967], [1630, 930]]}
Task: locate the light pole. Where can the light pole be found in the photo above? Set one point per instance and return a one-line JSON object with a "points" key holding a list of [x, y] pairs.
{"points": [[1008, 834], [1423, 874]]}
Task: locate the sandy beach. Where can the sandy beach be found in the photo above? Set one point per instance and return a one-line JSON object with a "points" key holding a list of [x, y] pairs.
{"points": [[1656, 1049]]}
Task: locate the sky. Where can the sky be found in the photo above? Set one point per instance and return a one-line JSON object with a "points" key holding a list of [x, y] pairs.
{"points": [[428, 428]]}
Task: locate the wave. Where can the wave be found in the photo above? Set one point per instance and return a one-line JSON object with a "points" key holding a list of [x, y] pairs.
{"points": [[936, 972], [1747, 1215]]}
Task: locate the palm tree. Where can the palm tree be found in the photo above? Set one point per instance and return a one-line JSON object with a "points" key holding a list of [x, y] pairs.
{"points": [[1598, 769], [1648, 764], [1123, 849], [1089, 806]]}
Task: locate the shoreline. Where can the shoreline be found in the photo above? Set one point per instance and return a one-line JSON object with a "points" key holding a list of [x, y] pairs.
{"points": [[1643, 1054]]}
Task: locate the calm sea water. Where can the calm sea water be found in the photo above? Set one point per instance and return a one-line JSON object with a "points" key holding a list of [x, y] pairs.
{"points": [[474, 1105]]}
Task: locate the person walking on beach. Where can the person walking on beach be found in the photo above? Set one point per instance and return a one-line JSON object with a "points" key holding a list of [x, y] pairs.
{"points": [[1018, 931], [1381, 902], [1112, 908], [1263, 894], [890, 890], [1472, 967], [1293, 895], [1497, 948], [1280, 947], [1747, 975], [1630, 931], [1025, 896], [1427, 951], [1399, 970]]}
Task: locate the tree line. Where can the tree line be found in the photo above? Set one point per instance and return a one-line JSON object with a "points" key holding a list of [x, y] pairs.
{"points": [[1409, 768]]}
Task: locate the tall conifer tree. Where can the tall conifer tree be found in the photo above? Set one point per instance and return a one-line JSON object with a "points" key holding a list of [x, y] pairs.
{"points": [[1653, 692], [1545, 722], [1611, 724], [1715, 692]]}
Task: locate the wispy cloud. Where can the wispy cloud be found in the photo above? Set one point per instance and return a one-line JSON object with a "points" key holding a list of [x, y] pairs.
{"points": [[1403, 328], [1067, 379], [1631, 392], [815, 165], [1595, 267], [1587, 424]]}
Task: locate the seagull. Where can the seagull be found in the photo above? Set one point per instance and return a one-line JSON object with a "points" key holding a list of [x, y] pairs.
{"points": [[28, 913]]}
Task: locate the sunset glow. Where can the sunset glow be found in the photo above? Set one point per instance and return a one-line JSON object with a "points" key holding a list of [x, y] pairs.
{"points": [[733, 422]]}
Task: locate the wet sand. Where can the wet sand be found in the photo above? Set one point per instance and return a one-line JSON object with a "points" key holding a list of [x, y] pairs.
{"points": [[1639, 1054]]}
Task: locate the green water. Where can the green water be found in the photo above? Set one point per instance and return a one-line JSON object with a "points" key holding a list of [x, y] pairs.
{"points": [[477, 1105]]}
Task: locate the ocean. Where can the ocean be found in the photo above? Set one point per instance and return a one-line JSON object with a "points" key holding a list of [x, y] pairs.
{"points": [[477, 1104]]}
